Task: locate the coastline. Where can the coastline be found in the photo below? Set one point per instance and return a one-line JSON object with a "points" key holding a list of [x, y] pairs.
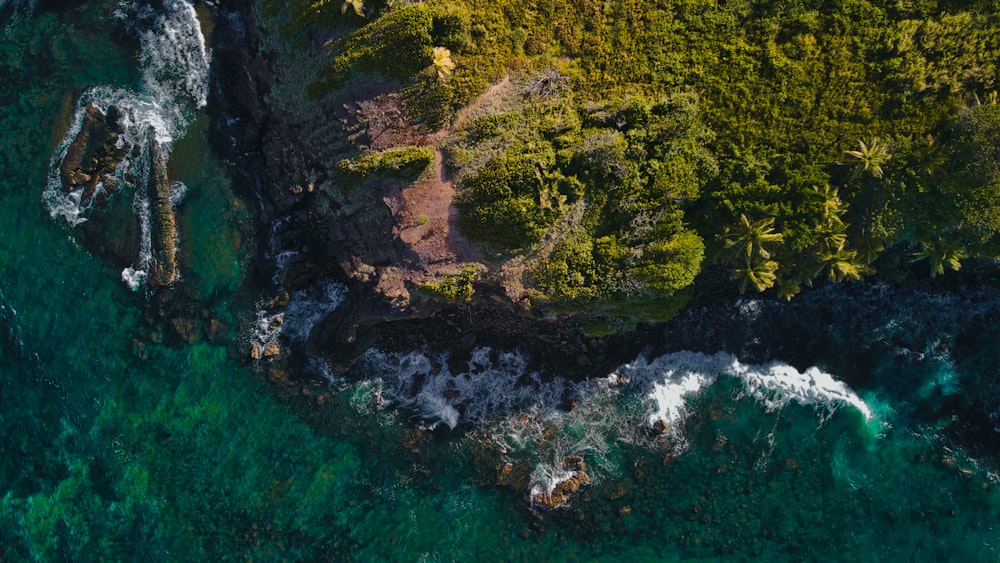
{"points": [[325, 234], [227, 414]]}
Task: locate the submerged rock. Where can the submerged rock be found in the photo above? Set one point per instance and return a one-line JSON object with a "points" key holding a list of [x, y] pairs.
{"points": [[187, 329], [95, 153], [215, 331], [566, 483]]}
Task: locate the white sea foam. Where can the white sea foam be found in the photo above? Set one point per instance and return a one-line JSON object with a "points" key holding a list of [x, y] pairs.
{"points": [[281, 261], [495, 384], [306, 308], [178, 191], [320, 368], [174, 58], [296, 322], [527, 420], [266, 329], [437, 408], [141, 208], [175, 66], [677, 376], [776, 384], [134, 278], [546, 477]]}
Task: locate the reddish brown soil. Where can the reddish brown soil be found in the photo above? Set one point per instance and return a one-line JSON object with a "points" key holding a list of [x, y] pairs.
{"points": [[424, 213], [427, 219]]}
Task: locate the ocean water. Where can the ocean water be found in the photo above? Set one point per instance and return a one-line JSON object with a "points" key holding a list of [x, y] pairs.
{"points": [[855, 440]]}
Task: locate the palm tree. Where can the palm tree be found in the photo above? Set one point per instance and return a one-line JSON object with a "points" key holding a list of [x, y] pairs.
{"points": [[868, 249], [357, 5], [832, 239], [443, 63], [833, 207], [942, 253], [840, 265], [872, 156], [758, 273], [787, 288], [748, 239]]}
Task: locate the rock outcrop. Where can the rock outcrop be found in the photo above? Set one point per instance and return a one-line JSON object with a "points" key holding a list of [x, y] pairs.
{"points": [[95, 153], [574, 476], [364, 236], [164, 224]]}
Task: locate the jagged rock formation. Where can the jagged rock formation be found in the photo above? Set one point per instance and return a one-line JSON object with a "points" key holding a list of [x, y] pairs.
{"points": [[575, 477], [95, 153]]}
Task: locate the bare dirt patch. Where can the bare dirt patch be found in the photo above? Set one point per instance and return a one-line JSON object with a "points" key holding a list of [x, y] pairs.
{"points": [[427, 221], [427, 243], [425, 216]]}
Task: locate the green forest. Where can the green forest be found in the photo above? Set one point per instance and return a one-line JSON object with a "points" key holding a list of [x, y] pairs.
{"points": [[642, 141]]}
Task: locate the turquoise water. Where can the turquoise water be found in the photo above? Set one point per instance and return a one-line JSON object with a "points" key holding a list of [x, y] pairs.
{"points": [[120, 444]]}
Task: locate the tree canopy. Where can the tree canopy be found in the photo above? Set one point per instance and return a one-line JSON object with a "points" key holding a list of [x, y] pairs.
{"points": [[793, 141]]}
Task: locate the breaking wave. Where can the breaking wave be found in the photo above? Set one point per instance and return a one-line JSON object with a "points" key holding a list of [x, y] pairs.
{"points": [[306, 308], [494, 384], [529, 420]]}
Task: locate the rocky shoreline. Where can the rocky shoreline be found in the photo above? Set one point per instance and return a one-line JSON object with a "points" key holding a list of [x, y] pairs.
{"points": [[309, 232]]}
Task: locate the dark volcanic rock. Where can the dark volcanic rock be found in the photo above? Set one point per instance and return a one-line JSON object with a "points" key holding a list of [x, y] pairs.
{"points": [[555, 344]]}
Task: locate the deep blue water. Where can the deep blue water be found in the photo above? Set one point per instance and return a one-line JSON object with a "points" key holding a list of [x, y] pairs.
{"points": [[120, 441]]}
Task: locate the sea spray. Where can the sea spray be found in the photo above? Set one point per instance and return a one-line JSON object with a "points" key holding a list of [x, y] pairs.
{"points": [[675, 376], [308, 307], [281, 261], [495, 384], [498, 384]]}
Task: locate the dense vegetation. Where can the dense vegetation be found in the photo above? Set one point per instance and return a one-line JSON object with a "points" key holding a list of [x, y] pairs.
{"points": [[792, 141]]}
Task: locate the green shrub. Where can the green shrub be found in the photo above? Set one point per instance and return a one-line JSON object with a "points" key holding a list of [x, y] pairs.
{"points": [[404, 163], [451, 29], [511, 223], [595, 328], [456, 288], [501, 177], [569, 272], [671, 265], [490, 125], [398, 44], [786, 87]]}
